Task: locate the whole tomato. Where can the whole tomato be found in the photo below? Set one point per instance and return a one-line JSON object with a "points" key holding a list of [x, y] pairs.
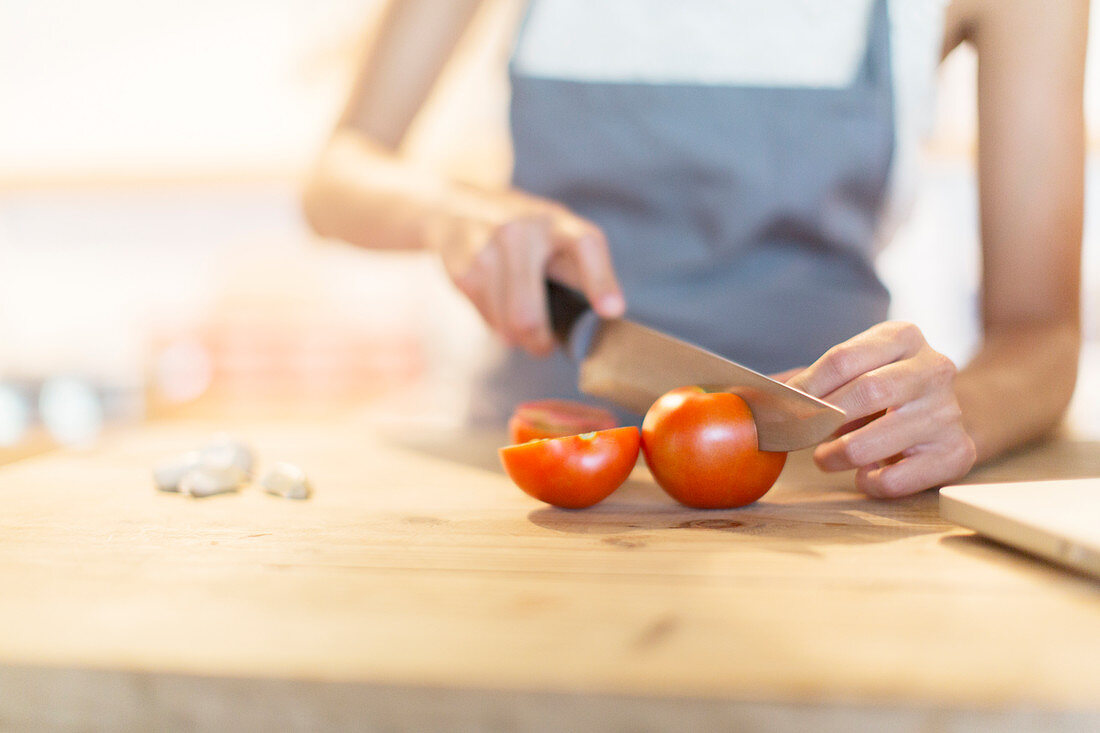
{"points": [[557, 418], [701, 447], [575, 471]]}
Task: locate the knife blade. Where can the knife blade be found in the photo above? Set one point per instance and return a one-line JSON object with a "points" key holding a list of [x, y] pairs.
{"points": [[632, 365]]}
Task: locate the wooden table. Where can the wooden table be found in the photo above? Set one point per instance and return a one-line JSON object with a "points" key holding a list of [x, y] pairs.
{"points": [[419, 590]]}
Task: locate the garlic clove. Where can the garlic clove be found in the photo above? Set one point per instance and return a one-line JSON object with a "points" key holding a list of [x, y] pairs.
{"points": [[223, 450], [202, 482], [167, 475], [286, 480]]}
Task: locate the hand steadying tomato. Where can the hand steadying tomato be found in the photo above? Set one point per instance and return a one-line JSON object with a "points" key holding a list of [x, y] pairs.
{"points": [[576, 471], [557, 418], [701, 447], [907, 431]]}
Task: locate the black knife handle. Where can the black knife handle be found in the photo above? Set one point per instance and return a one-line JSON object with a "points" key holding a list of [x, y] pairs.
{"points": [[566, 308]]}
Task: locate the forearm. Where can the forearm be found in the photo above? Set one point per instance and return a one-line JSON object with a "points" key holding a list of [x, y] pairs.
{"points": [[363, 194], [1019, 384]]}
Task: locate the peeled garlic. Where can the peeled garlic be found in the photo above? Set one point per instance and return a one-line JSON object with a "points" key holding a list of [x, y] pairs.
{"points": [[223, 450], [286, 480], [168, 475], [204, 481]]}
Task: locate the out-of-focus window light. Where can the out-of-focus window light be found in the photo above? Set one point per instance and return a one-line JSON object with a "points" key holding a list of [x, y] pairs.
{"points": [[71, 410], [184, 370], [15, 415]]}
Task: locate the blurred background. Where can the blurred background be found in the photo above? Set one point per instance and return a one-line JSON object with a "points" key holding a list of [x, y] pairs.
{"points": [[153, 258]]}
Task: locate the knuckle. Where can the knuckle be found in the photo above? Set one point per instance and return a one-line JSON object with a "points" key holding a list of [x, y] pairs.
{"points": [[516, 233], [892, 484], [591, 236], [968, 453], [853, 451], [511, 247], [838, 362], [872, 393], [906, 332], [523, 326], [566, 227], [507, 231], [515, 242], [496, 249], [584, 245], [546, 208], [951, 413], [943, 369], [883, 329], [870, 483], [559, 213], [596, 239]]}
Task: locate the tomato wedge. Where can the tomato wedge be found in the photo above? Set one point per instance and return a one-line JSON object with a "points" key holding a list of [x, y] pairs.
{"points": [[556, 419], [575, 471]]}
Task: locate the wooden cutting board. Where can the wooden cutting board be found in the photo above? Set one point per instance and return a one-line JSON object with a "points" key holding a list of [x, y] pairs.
{"points": [[420, 590]]}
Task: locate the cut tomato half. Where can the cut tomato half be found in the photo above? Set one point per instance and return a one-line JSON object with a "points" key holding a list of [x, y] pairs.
{"points": [[575, 471]]}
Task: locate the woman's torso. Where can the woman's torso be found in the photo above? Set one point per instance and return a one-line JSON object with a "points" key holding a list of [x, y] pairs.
{"points": [[742, 158]]}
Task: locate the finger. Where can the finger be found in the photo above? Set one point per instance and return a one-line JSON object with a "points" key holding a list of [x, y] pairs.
{"points": [[587, 246], [524, 249], [598, 277], [922, 469], [877, 441], [471, 263], [785, 376], [876, 347], [858, 423], [935, 419], [476, 285], [880, 389]]}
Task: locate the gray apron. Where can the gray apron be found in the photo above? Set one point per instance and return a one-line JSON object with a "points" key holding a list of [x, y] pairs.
{"points": [[740, 218]]}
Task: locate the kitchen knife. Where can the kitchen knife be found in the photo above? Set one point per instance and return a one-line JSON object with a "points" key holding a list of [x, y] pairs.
{"points": [[632, 365]]}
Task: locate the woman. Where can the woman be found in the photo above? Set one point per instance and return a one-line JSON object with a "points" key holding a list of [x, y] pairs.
{"points": [[725, 172]]}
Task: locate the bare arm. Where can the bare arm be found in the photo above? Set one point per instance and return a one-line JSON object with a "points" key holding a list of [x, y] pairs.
{"points": [[498, 246], [1031, 171], [917, 422], [361, 190]]}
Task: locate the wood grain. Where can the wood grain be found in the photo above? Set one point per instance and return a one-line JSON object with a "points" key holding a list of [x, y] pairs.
{"points": [[418, 574]]}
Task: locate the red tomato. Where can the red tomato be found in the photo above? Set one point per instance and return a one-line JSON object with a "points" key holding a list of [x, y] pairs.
{"points": [[702, 449], [576, 471], [556, 419]]}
